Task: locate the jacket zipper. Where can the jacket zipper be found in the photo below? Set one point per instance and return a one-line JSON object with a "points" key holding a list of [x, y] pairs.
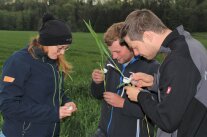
{"points": [[54, 95], [118, 92]]}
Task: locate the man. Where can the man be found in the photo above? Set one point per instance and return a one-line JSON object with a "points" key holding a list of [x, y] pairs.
{"points": [[182, 78], [119, 116]]}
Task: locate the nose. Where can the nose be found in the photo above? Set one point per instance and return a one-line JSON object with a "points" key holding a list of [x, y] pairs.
{"points": [[114, 56]]}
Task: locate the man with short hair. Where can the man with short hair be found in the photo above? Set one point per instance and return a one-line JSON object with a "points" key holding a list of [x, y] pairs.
{"points": [[181, 79], [119, 116]]}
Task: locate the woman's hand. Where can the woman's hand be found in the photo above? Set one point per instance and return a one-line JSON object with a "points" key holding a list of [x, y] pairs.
{"points": [[67, 109]]}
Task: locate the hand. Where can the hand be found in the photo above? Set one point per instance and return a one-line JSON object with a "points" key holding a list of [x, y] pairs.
{"points": [[142, 80], [97, 76], [64, 112], [132, 92], [67, 110], [71, 106], [113, 99]]}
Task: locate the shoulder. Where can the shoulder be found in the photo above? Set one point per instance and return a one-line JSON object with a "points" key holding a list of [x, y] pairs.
{"points": [[177, 63], [18, 59], [21, 55]]}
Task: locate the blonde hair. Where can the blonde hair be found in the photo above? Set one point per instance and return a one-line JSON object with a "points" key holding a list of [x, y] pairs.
{"points": [[63, 64], [113, 33]]}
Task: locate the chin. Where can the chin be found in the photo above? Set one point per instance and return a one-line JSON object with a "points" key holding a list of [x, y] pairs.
{"points": [[53, 58], [149, 58], [120, 62]]}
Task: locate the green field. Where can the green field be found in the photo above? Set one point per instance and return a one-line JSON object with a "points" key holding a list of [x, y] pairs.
{"points": [[84, 56]]}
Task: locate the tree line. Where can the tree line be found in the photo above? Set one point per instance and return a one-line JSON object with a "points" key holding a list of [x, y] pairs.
{"points": [[26, 14]]}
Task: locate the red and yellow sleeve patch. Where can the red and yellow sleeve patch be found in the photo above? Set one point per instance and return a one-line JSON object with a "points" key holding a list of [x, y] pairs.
{"points": [[8, 79]]}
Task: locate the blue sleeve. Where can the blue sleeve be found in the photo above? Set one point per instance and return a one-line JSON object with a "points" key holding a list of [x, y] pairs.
{"points": [[12, 93]]}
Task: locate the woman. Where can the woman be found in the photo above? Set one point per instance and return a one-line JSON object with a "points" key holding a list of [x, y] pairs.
{"points": [[32, 99]]}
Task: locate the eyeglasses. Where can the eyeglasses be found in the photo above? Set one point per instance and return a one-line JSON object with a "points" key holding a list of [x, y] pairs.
{"points": [[63, 48]]}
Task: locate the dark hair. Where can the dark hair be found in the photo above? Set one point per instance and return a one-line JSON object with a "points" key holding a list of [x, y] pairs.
{"points": [[122, 42], [139, 21]]}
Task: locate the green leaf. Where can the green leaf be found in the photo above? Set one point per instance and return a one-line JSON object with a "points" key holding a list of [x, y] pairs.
{"points": [[101, 46]]}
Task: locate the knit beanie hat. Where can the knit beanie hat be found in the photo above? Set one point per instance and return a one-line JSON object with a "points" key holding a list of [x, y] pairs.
{"points": [[54, 32]]}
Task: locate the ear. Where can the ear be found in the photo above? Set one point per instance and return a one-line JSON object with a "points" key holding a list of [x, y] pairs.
{"points": [[148, 36]]}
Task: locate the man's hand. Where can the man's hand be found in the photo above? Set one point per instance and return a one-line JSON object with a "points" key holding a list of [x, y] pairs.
{"points": [[97, 76], [142, 80], [113, 99], [132, 92]]}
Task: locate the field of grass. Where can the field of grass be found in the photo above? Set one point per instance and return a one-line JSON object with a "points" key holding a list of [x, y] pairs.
{"points": [[84, 56]]}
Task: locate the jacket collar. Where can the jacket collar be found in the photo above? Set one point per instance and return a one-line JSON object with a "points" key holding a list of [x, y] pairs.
{"points": [[135, 58], [166, 47], [172, 36], [42, 56]]}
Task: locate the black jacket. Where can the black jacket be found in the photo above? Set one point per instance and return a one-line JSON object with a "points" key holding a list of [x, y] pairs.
{"points": [[182, 110], [122, 122]]}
